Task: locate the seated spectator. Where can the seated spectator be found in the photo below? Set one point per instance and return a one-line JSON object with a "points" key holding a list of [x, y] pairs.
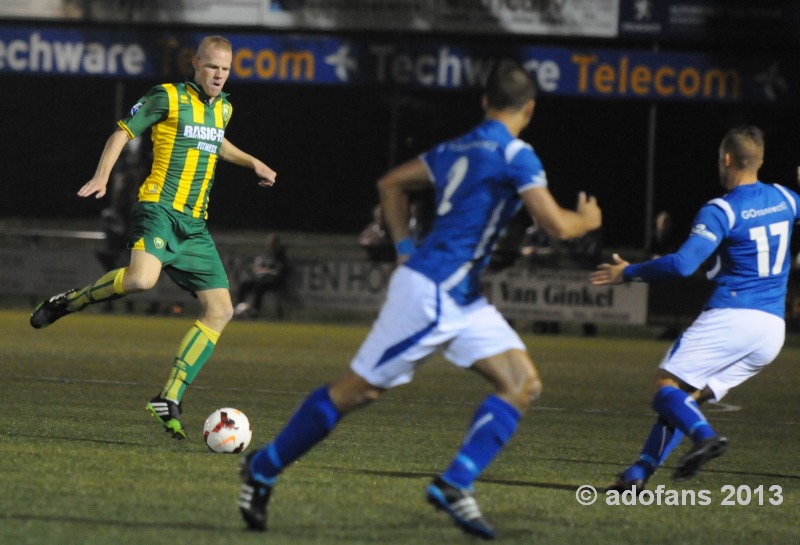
{"points": [[666, 239], [267, 273], [376, 240], [123, 189], [539, 249], [586, 252]]}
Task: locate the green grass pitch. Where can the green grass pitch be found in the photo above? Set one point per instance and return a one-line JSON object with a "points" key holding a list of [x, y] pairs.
{"points": [[81, 462]]}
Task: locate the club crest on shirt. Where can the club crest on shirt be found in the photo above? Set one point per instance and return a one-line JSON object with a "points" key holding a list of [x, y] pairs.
{"points": [[158, 242], [226, 112]]}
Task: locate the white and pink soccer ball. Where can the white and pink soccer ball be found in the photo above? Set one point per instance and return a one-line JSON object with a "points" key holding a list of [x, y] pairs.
{"points": [[227, 431]]}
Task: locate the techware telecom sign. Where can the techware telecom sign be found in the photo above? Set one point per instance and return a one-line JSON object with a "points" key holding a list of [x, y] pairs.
{"points": [[433, 64]]}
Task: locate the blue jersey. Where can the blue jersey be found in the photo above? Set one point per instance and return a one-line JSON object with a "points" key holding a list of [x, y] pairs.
{"points": [[748, 232], [477, 178]]}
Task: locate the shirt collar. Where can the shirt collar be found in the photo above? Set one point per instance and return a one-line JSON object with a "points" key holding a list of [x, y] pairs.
{"points": [[201, 94], [496, 125]]}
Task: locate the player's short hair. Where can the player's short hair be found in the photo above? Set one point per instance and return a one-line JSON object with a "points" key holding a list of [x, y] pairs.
{"points": [[745, 145], [509, 86], [218, 42]]}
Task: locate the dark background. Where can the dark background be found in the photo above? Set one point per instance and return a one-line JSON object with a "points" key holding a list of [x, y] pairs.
{"points": [[329, 145]]}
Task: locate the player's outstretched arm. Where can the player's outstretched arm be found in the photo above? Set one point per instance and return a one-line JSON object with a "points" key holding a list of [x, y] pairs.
{"points": [[559, 222], [232, 154], [97, 185], [681, 264], [609, 273]]}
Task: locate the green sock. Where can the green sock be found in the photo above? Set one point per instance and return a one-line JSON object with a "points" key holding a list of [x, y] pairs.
{"points": [[107, 288], [195, 349]]}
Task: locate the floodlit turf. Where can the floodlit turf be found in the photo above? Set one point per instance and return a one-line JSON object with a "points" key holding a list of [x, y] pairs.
{"points": [[81, 461]]}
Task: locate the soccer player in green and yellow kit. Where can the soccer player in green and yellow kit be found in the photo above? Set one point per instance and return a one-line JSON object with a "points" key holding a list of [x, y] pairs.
{"points": [[187, 122]]}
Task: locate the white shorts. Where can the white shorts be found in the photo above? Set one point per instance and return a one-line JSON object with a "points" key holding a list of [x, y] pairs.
{"points": [[419, 318], [724, 347]]}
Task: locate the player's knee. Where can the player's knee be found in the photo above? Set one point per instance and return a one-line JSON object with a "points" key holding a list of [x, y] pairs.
{"points": [[517, 380], [531, 388], [534, 387], [371, 395], [134, 283], [226, 312], [362, 397], [529, 391], [526, 389], [219, 314], [353, 392]]}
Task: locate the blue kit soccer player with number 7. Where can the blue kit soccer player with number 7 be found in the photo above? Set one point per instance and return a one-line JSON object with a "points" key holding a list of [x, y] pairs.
{"points": [[434, 301], [741, 328]]}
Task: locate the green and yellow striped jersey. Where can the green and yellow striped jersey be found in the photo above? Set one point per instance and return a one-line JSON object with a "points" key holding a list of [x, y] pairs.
{"points": [[187, 135]]}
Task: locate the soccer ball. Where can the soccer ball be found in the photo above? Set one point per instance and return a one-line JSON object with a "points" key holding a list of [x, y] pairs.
{"points": [[227, 430]]}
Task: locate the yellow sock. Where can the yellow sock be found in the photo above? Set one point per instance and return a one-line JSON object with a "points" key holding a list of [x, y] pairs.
{"points": [[193, 352], [107, 288]]}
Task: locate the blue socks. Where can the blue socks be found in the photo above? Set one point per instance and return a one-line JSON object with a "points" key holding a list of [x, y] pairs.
{"points": [[493, 425], [679, 415], [680, 411], [309, 425], [660, 443]]}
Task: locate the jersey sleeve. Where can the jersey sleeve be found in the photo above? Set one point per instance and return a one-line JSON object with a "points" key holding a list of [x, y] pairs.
{"points": [[148, 110], [427, 159], [524, 168], [793, 199], [434, 160], [709, 228]]}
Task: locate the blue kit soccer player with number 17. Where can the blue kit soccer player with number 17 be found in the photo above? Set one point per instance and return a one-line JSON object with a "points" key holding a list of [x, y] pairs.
{"points": [[741, 328], [434, 301]]}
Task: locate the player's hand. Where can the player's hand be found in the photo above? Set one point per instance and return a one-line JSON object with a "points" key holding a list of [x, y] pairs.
{"points": [[266, 176], [588, 209], [94, 187], [609, 273]]}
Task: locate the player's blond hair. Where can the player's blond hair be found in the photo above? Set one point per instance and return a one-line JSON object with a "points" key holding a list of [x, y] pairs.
{"points": [[214, 42]]}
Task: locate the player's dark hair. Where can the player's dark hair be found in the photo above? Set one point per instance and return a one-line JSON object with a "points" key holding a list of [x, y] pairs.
{"points": [[509, 86], [745, 145]]}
